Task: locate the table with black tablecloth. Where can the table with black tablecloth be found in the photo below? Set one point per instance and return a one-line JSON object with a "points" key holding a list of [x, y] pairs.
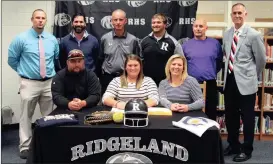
{"points": [[160, 142]]}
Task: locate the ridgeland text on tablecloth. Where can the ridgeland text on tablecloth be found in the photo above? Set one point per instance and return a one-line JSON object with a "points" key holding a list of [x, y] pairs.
{"points": [[123, 144]]}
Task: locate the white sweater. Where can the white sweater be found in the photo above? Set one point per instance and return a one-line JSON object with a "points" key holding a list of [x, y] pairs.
{"points": [[148, 90]]}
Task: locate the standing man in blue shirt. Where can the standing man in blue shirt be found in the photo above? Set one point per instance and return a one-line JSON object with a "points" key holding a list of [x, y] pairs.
{"points": [[204, 56], [80, 39], [31, 54]]}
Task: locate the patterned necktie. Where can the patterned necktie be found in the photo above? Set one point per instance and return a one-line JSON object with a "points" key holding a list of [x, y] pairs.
{"points": [[232, 52], [42, 58]]}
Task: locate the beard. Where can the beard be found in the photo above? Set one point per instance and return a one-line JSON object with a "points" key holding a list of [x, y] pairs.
{"points": [[78, 29], [73, 73]]}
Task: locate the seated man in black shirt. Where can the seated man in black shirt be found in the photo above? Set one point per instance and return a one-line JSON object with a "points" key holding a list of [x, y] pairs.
{"points": [[75, 87]]}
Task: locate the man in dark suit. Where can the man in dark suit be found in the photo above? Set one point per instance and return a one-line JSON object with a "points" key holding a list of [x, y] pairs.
{"points": [[245, 59]]}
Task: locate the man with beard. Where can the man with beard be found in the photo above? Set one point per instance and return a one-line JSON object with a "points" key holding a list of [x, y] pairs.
{"points": [[157, 48], [31, 54], [79, 38], [115, 45], [204, 56], [75, 87]]}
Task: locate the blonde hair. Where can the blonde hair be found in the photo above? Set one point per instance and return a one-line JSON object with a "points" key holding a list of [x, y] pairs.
{"points": [[160, 16], [123, 77], [184, 72]]}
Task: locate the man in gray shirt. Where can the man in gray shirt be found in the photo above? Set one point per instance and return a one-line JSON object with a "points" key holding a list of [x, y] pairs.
{"points": [[115, 45]]}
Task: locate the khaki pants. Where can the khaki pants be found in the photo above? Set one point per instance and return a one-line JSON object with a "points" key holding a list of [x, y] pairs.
{"points": [[32, 92]]}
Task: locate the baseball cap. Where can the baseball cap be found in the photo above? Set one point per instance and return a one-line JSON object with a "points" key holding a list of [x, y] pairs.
{"points": [[75, 54]]}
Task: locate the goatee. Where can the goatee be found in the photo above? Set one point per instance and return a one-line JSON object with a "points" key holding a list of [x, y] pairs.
{"points": [[79, 29]]}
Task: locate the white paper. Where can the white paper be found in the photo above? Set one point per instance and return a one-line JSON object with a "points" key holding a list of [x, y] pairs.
{"points": [[195, 125], [158, 109]]}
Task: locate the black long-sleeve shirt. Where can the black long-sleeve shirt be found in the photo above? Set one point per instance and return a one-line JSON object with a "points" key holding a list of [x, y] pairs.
{"points": [[68, 85], [155, 54]]}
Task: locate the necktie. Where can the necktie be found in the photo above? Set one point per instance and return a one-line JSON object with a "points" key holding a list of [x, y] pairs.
{"points": [[232, 52], [42, 58]]}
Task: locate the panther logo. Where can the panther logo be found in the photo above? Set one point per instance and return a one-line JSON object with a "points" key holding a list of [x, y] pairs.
{"points": [[128, 158], [187, 3], [106, 22], [85, 3], [169, 22], [62, 19], [135, 3]]}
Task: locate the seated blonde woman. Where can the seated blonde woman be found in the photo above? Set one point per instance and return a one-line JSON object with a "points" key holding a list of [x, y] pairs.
{"points": [[131, 84], [179, 91]]}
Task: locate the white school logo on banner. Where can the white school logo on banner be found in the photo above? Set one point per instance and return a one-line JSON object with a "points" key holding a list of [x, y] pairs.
{"points": [[85, 3], [62, 19], [106, 22], [187, 3], [135, 3], [169, 22]]}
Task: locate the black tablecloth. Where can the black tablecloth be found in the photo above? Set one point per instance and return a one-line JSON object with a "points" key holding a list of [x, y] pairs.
{"points": [[97, 143]]}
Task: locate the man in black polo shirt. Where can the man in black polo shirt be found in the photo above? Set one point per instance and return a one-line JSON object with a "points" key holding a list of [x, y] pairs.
{"points": [[156, 49], [75, 87], [115, 45]]}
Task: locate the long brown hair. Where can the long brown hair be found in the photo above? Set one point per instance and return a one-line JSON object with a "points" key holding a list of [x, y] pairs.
{"points": [[123, 77]]}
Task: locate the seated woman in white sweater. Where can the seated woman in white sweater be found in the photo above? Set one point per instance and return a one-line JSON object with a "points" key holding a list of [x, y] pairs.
{"points": [[131, 84], [179, 91]]}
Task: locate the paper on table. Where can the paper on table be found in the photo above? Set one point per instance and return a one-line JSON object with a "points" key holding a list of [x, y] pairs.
{"points": [[151, 111], [196, 125], [159, 111]]}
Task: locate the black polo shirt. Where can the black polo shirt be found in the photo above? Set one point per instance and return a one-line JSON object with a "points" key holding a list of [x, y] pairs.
{"points": [[155, 54]]}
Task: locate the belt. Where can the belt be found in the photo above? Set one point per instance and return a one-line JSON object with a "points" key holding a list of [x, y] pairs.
{"points": [[44, 79]]}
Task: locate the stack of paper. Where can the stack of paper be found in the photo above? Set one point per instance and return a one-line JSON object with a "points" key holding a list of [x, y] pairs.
{"points": [[151, 111]]}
